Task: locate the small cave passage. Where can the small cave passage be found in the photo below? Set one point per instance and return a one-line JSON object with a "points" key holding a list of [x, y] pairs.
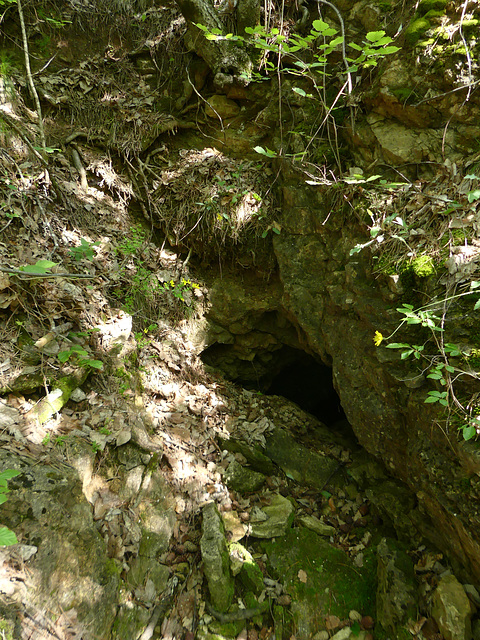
{"points": [[309, 384]]}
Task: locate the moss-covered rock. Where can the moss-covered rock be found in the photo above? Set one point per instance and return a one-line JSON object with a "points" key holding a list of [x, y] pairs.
{"points": [[242, 479], [423, 266], [416, 30], [424, 6], [320, 579], [216, 561], [243, 565]]}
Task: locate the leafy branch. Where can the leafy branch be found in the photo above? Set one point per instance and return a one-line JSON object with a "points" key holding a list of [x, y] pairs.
{"points": [[440, 366]]}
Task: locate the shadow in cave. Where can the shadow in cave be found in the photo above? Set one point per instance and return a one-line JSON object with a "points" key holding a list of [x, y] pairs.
{"points": [[288, 372], [309, 384]]}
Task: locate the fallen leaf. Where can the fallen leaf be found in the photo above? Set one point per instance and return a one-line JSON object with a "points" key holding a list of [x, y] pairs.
{"points": [[332, 622]]}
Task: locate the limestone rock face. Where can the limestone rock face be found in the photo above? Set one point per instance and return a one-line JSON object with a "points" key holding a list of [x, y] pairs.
{"points": [[69, 571], [452, 610], [330, 303], [396, 590]]}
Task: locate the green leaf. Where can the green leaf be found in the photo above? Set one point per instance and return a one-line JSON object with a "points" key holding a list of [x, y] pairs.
{"points": [[356, 628], [358, 247], [7, 537], [320, 26], [374, 36], [265, 152], [95, 364], [9, 473], [388, 50], [469, 432], [452, 349], [29, 268], [45, 264], [471, 176], [300, 92], [398, 345], [473, 195], [474, 284], [477, 305], [380, 43]]}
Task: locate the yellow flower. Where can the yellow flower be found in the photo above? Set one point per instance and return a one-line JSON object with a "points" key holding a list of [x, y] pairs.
{"points": [[377, 338]]}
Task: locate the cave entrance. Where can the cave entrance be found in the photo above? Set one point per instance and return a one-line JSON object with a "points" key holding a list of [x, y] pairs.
{"points": [[308, 383], [285, 371]]}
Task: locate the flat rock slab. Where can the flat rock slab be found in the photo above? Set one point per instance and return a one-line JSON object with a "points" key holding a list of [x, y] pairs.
{"points": [[274, 519], [320, 579], [297, 462], [216, 560]]}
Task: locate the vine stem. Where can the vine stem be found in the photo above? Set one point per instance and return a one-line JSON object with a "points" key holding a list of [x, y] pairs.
{"points": [[344, 49], [30, 78]]}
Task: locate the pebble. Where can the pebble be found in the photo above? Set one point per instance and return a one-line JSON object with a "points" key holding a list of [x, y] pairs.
{"points": [[321, 635], [367, 622], [355, 616]]}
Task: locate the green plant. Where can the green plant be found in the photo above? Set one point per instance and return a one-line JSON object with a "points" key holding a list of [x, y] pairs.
{"points": [[274, 227], [141, 336], [441, 364], [84, 250], [80, 356], [131, 244], [309, 57], [40, 267], [125, 380], [7, 537]]}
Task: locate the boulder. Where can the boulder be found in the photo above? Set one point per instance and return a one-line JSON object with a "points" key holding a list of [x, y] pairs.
{"points": [[272, 520], [452, 610], [216, 561]]}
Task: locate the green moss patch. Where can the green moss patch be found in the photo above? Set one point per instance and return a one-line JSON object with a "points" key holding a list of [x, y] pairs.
{"points": [[416, 30], [320, 579], [425, 6], [423, 266]]}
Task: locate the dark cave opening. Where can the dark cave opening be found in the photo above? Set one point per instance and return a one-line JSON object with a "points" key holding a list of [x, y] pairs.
{"points": [[309, 384], [288, 372]]}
